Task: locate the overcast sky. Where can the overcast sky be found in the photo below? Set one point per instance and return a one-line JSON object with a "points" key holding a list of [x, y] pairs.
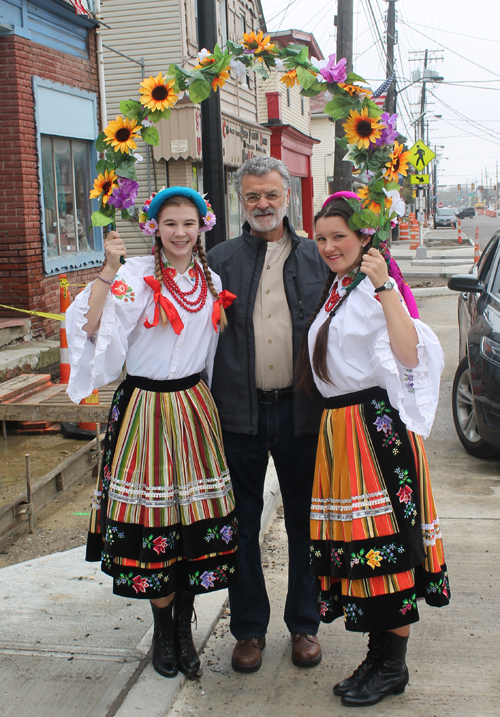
{"points": [[462, 32]]}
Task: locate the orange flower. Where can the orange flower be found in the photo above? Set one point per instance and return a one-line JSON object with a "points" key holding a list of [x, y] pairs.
{"points": [[398, 163], [257, 43], [220, 80], [205, 63], [361, 129], [104, 184], [363, 194], [354, 89], [290, 78]]}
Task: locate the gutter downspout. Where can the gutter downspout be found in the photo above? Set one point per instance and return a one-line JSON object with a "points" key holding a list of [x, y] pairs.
{"points": [[100, 68]]}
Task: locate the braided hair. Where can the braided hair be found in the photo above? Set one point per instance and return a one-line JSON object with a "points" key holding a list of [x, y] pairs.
{"points": [[303, 371], [178, 201]]}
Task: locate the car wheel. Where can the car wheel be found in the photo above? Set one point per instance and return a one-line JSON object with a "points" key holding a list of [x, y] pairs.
{"points": [[464, 414]]}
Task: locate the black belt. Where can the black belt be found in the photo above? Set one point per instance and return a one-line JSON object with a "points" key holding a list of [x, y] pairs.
{"points": [[276, 395], [353, 399], [167, 386]]}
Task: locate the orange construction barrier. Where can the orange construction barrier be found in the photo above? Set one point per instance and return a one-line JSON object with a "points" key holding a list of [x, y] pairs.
{"points": [[93, 399], [477, 253], [404, 231], [477, 234], [414, 238], [65, 299], [459, 231]]}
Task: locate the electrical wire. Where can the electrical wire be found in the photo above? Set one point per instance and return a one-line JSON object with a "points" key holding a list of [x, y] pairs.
{"points": [[461, 34]]}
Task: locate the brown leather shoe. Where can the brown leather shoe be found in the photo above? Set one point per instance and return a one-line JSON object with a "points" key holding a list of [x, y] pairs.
{"points": [[247, 654], [306, 650]]}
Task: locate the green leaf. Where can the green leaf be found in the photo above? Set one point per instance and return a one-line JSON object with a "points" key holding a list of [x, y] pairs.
{"points": [[150, 135], [99, 143], [339, 107], [305, 78], [101, 220], [131, 109], [103, 165], [352, 77], [200, 90], [127, 169], [342, 142], [373, 110], [126, 216], [313, 90]]}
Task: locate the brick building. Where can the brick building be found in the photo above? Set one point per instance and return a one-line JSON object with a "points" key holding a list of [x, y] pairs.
{"points": [[48, 124]]}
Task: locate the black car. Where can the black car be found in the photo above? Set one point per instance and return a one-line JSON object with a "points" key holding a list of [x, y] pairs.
{"points": [[445, 217], [466, 212], [476, 387]]}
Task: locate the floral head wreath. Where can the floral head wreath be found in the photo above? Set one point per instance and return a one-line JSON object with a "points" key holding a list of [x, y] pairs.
{"points": [[149, 212], [374, 145]]}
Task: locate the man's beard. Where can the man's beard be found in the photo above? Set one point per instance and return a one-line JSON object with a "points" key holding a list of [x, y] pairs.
{"points": [[267, 220]]}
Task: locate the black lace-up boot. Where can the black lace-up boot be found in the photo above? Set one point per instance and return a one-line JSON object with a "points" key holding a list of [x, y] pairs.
{"points": [[189, 662], [164, 653], [389, 676], [374, 655]]}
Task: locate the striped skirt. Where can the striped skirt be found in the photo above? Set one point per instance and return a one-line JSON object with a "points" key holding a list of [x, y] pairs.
{"points": [[375, 538], [163, 515]]}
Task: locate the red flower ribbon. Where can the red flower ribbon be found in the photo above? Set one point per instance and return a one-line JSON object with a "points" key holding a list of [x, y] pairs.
{"points": [[167, 305], [225, 299]]}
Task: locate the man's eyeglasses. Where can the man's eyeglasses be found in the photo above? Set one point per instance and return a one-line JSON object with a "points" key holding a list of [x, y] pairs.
{"points": [[252, 199]]}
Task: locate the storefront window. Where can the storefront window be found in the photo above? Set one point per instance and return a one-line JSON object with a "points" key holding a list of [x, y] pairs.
{"points": [[66, 176], [233, 206], [294, 211]]}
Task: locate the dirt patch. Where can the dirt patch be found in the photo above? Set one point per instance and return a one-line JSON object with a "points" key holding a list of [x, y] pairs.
{"points": [[427, 283]]}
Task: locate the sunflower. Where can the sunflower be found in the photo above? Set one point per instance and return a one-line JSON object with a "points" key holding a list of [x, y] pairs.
{"points": [[362, 129], [104, 184], [398, 163], [363, 194], [157, 93], [122, 133], [220, 80], [257, 43], [290, 78], [354, 89]]}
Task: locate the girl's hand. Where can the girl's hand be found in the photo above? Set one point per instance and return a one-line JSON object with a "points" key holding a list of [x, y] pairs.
{"points": [[114, 249], [374, 266]]}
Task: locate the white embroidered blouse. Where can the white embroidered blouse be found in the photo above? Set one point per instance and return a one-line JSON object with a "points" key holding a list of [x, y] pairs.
{"points": [[157, 353], [360, 357]]}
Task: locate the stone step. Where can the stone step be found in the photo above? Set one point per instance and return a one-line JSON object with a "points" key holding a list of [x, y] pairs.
{"points": [[14, 329]]}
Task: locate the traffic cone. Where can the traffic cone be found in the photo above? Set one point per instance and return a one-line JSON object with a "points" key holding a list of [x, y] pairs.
{"points": [[92, 400], [459, 231], [414, 239], [477, 253], [477, 234], [404, 231], [65, 301]]}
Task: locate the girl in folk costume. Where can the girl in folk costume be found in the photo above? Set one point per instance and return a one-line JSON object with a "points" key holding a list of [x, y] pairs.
{"points": [[375, 537], [163, 523]]}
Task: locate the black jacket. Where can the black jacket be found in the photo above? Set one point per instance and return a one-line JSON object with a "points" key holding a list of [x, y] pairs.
{"points": [[239, 263]]}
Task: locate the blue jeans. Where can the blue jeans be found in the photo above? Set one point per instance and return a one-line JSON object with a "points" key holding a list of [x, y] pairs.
{"points": [[294, 459]]}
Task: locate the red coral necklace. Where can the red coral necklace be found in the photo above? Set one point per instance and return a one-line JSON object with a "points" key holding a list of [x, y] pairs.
{"points": [[335, 297], [181, 296]]}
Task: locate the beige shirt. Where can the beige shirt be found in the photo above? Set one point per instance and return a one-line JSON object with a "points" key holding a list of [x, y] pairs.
{"points": [[272, 321]]}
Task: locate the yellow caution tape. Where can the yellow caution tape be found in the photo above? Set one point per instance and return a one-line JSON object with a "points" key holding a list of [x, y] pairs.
{"points": [[57, 317]]}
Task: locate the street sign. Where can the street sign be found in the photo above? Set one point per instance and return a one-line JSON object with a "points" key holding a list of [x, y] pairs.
{"points": [[420, 155], [440, 205], [420, 215], [419, 179]]}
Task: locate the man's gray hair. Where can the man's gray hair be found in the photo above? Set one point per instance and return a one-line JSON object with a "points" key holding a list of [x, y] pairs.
{"points": [[258, 167]]}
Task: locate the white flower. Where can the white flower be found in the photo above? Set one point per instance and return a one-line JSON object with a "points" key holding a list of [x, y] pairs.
{"points": [[319, 63], [146, 122], [398, 204], [279, 65], [350, 157], [138, 157], [328, 95], [238, 68], [202, 54]]}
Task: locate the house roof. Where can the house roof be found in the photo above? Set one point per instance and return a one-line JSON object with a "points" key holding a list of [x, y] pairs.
{"points": [[299, 37]]}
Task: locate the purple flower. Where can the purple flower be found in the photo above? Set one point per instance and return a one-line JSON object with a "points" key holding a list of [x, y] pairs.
{"points": [[207, 580], [389, 133], [209, 221], [383, 423], [334, 72], [115, 413], [368, 231], [226, 533], [149, 228], [125, 194]]}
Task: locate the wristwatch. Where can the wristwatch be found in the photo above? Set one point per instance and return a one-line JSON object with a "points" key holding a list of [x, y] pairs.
{"points": [[389, 284]]}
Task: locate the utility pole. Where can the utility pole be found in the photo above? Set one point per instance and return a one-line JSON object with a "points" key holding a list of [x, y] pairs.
{"points": [[342, 171], [211, 131], [422, 101], [390, 102]]}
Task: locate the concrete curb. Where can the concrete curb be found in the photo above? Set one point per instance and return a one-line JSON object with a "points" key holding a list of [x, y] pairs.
{"points": [[146, 682]]}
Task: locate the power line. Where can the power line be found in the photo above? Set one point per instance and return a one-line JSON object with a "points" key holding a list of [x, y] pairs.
{"points": [[461, 34]]}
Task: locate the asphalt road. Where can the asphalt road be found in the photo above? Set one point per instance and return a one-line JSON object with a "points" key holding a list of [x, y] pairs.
{"points": [[487, 227]]}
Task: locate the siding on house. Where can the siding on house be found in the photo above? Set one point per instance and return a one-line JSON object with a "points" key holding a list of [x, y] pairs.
{"points": [[322, 159], [297, 113]]}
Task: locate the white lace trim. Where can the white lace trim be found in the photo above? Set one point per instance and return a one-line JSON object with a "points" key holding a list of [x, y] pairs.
{"points": [[168, 495], [431, 533], [421, 383], [345, 509], [101, 338]]}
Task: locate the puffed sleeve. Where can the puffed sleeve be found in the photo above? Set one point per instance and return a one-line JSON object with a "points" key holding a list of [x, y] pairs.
{"points": [[98, 360], [413, 391]]}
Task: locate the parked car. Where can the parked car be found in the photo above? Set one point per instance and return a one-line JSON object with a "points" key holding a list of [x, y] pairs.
{"points": [[476, 387], [445, 217], [466, 212]]}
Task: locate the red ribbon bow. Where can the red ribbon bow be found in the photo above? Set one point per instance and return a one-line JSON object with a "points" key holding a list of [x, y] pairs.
{"points": [[225, 299], [160, 300]]}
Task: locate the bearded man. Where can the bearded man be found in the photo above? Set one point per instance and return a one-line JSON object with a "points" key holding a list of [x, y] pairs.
{"points": [[278, 279]]}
